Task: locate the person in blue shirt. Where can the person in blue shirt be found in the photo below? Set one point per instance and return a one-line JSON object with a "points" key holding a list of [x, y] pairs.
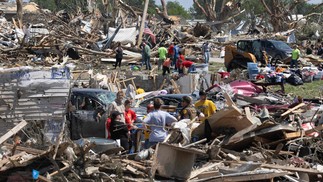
{"points": [[206, 51], [157, 121], [176, 55]]}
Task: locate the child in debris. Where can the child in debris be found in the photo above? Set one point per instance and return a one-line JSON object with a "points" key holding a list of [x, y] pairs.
{"points": [[119, 130]]}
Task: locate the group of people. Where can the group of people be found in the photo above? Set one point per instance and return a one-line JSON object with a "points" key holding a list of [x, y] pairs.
{"points": [[167, 57], [121, 125]]}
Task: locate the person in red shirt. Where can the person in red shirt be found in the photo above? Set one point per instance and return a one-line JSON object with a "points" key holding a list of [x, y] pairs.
{"points": [[130, 117], [166, 65], [189, 65], [179, 62], [171, 52]]}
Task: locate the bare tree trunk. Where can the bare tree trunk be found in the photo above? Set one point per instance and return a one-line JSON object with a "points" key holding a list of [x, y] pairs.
{"points": [[19, 12], [164, 13], [129, 8], [280, 13]]}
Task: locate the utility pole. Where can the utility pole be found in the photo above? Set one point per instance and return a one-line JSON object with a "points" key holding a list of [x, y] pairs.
{"points": [[142, 26]]}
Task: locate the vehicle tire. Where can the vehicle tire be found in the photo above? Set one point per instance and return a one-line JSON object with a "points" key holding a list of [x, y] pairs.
{"points": [[232, 65], [276, 60]]}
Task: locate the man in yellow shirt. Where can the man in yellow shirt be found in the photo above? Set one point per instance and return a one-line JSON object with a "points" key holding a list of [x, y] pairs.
{"points": [[139, 90], [207, 107], [295, 56]]}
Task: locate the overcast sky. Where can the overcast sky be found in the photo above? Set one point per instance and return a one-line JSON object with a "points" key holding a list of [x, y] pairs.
{"points": [[188, 3]]}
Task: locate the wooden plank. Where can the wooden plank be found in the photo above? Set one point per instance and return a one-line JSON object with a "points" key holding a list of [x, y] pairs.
{"points": [[135, 164], [13, 131], [59, 139], [208, 174], [176, 88], [228, 99], [239, 135], [250, 177], [225, 117], [43, 178], [28, 150], [293, 109], [291, 168], [203, 169], [292, 135]]}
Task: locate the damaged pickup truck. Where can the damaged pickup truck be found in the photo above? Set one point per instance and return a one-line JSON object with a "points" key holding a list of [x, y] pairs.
{"points": [[83, 113]]}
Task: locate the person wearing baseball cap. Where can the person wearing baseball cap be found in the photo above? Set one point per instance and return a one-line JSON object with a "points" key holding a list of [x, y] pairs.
{"points": [[207, 107]]}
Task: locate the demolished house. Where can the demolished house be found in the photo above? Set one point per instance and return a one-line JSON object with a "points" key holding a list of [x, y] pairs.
{"points": [[57, 63]]}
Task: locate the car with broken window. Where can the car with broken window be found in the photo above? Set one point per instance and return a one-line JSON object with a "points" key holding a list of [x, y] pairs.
{"points": [[85, 104]]}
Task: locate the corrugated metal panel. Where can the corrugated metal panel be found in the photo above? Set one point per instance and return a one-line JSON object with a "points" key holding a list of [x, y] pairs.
{"points": [[30, 94]]}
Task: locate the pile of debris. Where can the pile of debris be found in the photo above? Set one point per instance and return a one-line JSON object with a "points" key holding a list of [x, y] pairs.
{"points": [[263, 137]]}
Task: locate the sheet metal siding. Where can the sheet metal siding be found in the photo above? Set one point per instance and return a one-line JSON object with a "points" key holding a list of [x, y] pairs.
{"points": [[33, 94]]}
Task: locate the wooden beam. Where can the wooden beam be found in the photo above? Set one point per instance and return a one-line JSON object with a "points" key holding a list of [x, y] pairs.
{"points": [[13, 131], [142, 26], [293, 109], [228, 99], [203, 169], [59, 139], [26, 149], [292, 135]]}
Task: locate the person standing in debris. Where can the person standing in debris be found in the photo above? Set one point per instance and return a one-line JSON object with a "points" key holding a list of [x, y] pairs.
{"points": [[143, 59], [117, 105], [119, 55], [309, 49], [130, 118], [176, 55], [171, 52], [166, 65], [295, 56], [188, 111], [179, 62], [320, 50], [119, 130], [162, 51], [206, 49], [157, 121], [207, 107], [147, 56]]}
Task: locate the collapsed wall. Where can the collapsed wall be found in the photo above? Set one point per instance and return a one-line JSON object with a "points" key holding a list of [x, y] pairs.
{"points": [[34, 94]]}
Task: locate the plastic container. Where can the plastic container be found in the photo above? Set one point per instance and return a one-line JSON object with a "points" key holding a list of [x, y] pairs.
{"points": [[201, 68], [319, 75], [252, 70]]}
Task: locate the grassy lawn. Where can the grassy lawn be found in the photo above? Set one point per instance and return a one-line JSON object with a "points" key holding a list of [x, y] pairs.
{"points": [[214, 67], [308, 90]]}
